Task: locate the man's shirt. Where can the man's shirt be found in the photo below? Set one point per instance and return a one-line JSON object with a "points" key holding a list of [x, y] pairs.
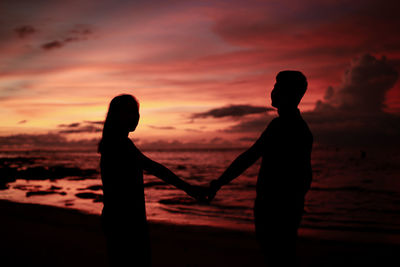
{"points": [[285, 173]]}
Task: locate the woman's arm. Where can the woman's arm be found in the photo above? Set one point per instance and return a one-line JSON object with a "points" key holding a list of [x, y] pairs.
{"points": [[169, 177]]}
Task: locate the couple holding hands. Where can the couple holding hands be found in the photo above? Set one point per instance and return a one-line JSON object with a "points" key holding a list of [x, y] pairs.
{"points": [[283, 181]]}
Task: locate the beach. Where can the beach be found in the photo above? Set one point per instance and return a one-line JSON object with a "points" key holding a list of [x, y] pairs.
{"points": [[38, 235]]}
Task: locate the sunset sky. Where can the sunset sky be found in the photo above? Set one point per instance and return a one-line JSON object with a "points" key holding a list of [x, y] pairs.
{"points": [[201, 70]]}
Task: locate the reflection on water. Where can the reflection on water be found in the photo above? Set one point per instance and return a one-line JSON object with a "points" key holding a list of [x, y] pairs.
{"points": [[350, 191]]}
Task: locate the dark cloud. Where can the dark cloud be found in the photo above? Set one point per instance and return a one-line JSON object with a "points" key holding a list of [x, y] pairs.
{"points": [[162, 127], [78, 33], [81, 30], [81, 127], [22, 122], [251, 125], [247, 139], [351, 113], [71, 125], [95, 122], [71, 39], [231, 111], [24, 31], [354, 112], [363, 88], [52, 45]]}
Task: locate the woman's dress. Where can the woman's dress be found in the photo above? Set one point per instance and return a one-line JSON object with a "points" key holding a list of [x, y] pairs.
{"points": [[124, 214]]}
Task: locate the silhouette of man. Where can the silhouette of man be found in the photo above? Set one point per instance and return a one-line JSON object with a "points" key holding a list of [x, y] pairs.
{"points": [[285, 173]]}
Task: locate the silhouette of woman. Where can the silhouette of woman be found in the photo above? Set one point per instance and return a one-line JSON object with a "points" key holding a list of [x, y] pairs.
{"points": [[122, 164]]}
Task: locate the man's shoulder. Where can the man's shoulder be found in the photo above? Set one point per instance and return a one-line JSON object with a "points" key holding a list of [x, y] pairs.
{"points": [[274, 123], [271, 128]]}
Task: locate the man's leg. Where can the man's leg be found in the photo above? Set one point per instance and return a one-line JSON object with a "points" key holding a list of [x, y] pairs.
{"points": [[277, 235]]}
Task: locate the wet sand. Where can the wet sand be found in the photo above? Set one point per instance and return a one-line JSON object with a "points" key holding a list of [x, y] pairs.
{"points": [[35, 235]]}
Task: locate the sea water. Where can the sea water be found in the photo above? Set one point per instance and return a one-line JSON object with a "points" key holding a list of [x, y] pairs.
{"points": [[352, 190]]}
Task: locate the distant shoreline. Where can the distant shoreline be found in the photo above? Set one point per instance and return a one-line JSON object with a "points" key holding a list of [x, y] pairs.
{"points": [[94, 149]]}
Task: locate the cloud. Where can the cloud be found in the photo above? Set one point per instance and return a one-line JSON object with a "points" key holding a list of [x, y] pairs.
{"points": [[22, 122], [78, 33], [247, 139], [193, 130], [52, 45], [84, 129], [257, 124], [318, 24], [95, 122], [81, 30], [50, 140], [81, 127], [162, 127], [318, 37], [24, 31], [232, 111], [363, 88], [71, 125], [59, 141], [351, 113], [215, 143]]}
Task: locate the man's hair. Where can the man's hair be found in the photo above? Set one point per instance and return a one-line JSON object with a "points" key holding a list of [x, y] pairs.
{"points": [[293, 80]]}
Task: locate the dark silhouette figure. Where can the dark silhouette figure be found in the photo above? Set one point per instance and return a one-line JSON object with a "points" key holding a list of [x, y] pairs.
{"points": [[285, 173], [122, 164]]}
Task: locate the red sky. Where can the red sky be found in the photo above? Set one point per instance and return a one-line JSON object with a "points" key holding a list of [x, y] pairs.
{"points": [[63, 61]]}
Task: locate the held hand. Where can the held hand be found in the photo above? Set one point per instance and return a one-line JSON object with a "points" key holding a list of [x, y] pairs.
{"points": [[198, 192], [213, 189]]}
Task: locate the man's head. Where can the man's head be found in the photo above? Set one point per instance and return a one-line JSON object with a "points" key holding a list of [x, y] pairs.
{"points": [[289, 88]]}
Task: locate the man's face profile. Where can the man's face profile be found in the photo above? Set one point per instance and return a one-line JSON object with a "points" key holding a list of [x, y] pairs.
{"points": [[275, 95]]}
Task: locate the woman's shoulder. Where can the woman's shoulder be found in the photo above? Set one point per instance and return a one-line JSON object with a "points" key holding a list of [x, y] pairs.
{"points": [[118, 145]]}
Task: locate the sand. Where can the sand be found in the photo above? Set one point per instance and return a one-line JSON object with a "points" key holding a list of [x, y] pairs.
{"points": [[35, 235]]}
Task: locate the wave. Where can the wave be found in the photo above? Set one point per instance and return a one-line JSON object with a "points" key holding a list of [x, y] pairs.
{"points": [[13, 168], [353, 189], [351, 228], [90, 195]]}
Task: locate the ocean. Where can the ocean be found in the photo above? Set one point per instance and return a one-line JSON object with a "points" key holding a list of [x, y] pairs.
{"points": [[353, 192]]}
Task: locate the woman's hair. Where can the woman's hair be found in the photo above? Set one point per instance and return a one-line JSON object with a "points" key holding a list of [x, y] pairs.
{"points": [[118, 105]]}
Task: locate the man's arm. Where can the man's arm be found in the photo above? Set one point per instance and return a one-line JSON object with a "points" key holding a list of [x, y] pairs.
{"points": [[238, 166]]}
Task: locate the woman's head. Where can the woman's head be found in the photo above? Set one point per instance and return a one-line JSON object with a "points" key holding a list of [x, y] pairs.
{"points": [[122, 118], [122, 115]]}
